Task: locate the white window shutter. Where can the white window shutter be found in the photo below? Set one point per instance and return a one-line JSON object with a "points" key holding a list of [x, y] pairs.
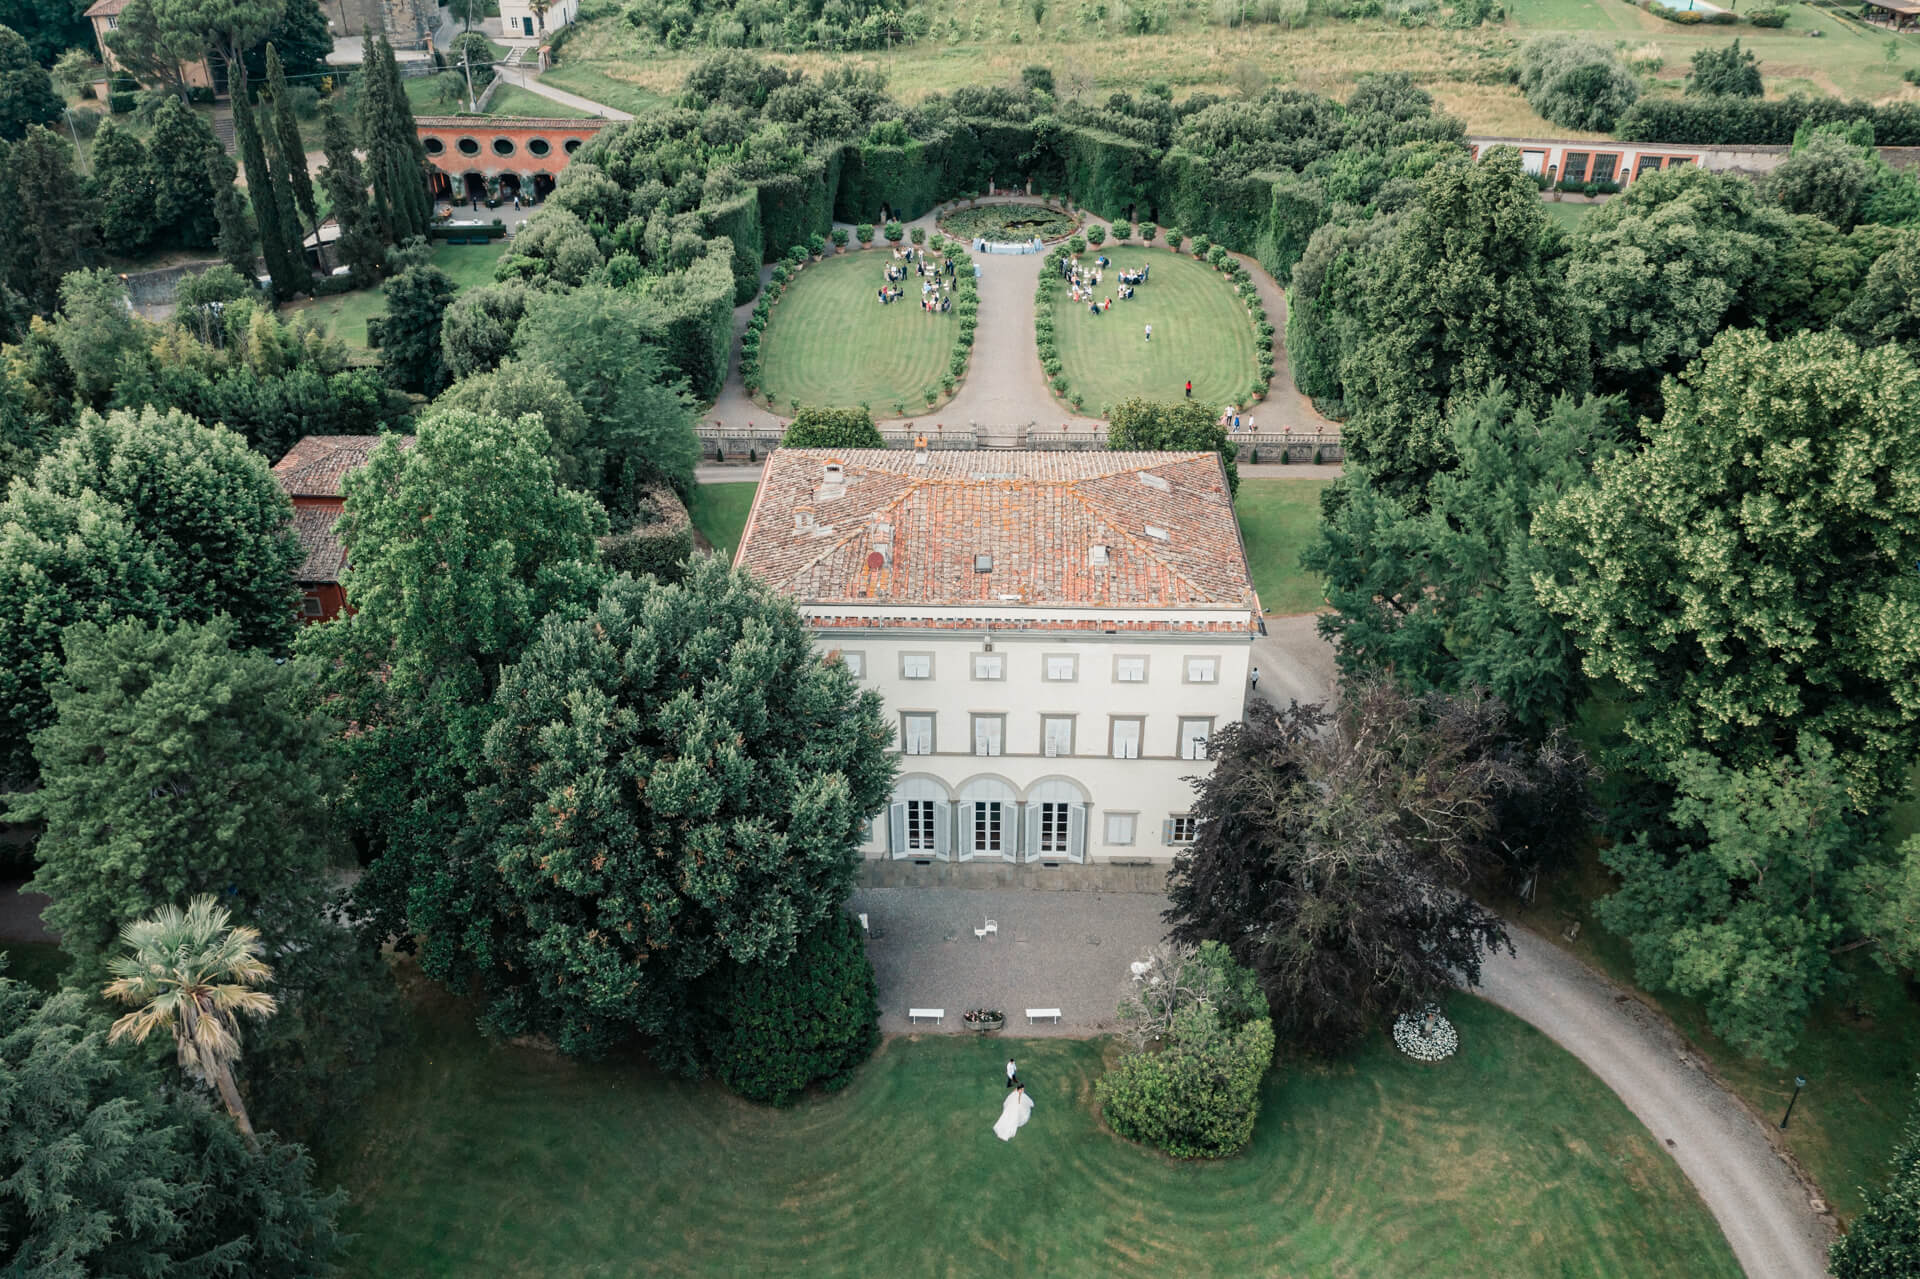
{"points": [[1077, 832], [1032, 841], [897, 829], [942, 827], [1166, 830]]}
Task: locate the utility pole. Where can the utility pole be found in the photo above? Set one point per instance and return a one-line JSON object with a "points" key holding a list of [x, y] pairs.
{"points": [[466, 62]]}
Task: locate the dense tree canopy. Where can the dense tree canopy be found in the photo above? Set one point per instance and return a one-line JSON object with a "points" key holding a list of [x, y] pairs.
{"points": [[674, 782], [1748, 576], [27, 96], [1726, 69], [1181, 425], [1576, 83], [1471, 289]]}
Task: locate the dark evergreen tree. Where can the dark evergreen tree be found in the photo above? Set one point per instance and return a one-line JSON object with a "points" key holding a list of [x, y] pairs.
{"points": [[396, 161], [268, 220], [53, 219], [181, 146], [123, 174], [410, 346], [358, 248], [237, 235], [27, 97], [286, 130]]}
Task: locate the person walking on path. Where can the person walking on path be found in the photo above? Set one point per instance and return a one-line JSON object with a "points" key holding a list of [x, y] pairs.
{"points": [[1149, 333], [1013, 1074], [1253, 686], [1189, 380]]}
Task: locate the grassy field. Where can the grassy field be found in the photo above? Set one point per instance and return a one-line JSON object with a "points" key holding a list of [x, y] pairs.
{"points": [[1569, 216], [1201, 331], [1277, 519], [345, 315], [989, 41], [511, 99], [719, 512], [479, 1159], [831, 343]]}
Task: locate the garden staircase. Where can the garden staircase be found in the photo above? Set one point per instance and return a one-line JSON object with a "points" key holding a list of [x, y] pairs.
{"points": [[223, 127]]}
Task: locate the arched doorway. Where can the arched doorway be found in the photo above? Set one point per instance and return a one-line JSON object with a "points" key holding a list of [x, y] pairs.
{"points": [[542, 186], [987, 820], [919, 820], [440, 185], [474, 187], [509, 185], [1056, 822]]}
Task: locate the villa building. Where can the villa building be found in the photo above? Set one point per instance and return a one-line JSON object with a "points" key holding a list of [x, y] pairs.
{"points": [[1056, 635], [313, 474]]}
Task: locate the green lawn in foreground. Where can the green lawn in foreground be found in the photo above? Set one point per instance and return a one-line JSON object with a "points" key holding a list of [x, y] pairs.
{"points": [[1277, 519], [1512, 1160], [830, 342], [345, 315], [1201, 332], [719, 512]]}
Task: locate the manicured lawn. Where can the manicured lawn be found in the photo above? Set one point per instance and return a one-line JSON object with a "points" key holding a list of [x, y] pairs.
{"points": [[1277, 519], [719, 512], [1568, 215], [1201, 331], [511, 99], [477, 1159], [345, 315], [603, 82], [831, 343]]}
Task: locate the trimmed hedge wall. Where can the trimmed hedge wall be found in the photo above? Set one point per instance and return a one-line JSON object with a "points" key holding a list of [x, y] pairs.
{"points": [[905, 179], [793, 206], [1108, 173], [1731, 121], [694, 319], [738, 220]]}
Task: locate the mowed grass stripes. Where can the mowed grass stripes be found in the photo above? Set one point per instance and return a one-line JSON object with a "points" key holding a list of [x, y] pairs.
{"points": [[1201, 332], [830, 343], [477, 1159]]}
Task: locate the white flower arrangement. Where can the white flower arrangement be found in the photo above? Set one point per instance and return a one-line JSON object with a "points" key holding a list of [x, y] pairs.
{"points": [[1426, 1035]]}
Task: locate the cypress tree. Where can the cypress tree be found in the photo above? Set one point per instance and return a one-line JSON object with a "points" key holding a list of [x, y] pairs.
{"points": [[266, 210], [396, 161], [287, 129], [358, 247], [230, 212]]}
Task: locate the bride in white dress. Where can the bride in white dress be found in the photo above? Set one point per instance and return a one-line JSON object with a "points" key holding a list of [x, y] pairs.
{"points": [[1015, 1111]]}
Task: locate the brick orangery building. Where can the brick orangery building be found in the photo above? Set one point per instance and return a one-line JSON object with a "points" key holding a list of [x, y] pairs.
{"points": [[474, 156]]}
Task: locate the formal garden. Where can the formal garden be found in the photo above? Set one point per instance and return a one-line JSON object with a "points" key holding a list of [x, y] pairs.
{"points": [[1008, 223], [1508, 1160], [830, 339], [1202, 329]]}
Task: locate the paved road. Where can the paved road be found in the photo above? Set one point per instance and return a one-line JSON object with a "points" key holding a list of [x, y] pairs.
{"points": [[1761, 1205]]}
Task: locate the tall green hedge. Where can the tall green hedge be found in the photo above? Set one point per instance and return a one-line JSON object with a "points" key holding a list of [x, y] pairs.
{"points": [[1723, 120], [1296, 207], [1233, 212], [738, 220], [903, 178], [693, 319], [1108, 173]]}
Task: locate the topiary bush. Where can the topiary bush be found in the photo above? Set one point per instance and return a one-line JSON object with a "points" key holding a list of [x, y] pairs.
{"points": [[1122, 230], [1096, 235], [864, 233], [1147, 231], [1200, 246], [894, 231], [839, 237], [1077, 245], [816, 244], [776, 1031], [1173, 238], [919, 235], [823, 428]]}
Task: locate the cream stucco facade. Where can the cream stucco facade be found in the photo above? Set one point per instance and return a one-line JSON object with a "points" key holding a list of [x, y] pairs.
{"points": [[1083, 740]]}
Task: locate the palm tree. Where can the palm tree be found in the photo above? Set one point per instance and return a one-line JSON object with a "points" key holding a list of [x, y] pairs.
{"points": [[192, 973], [539, 9]]}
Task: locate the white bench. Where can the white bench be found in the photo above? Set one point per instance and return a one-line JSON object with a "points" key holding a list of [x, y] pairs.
{"points": [[1035, 1014], [937, 1015]]}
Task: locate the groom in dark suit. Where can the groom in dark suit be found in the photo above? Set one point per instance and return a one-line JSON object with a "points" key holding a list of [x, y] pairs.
{"points": [[1013, 1074]]}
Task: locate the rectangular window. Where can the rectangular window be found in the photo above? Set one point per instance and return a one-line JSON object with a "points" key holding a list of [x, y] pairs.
{"points": [[1182, 829], [1603, 166], [987, 733], [1120, 828], [1060, 667], [1576, 170], [310, 606], [1053, 831], [1126, 738], [986, 826], [1675, 161], [1193, 738], [916, 733], [1056, 735], [856, 664], [989, 665], [920, 826], [1129, 670], [1648, 163], [1203, 670], [916, 666]]}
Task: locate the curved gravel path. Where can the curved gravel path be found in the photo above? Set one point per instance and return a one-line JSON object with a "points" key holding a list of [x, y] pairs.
{"points": [[1761, 1203]]}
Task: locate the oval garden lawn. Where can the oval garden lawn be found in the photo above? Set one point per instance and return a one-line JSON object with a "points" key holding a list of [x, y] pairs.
{"points": [[830, 342], [1510, 1160], [1202, 332]]}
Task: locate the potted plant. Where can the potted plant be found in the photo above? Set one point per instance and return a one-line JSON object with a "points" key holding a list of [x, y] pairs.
{"points": [[984, 1019]]}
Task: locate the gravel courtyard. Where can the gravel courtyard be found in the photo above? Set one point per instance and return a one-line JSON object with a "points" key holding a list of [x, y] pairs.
{"points": [[1054, 950]]}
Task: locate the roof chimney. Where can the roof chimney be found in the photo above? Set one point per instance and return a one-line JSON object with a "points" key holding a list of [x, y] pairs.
{"points": [[919, 450], [833, 482]]}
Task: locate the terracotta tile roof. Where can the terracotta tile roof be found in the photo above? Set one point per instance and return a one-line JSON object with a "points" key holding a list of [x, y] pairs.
{"points": [[326, 553], [899, 531], [106, 8], [315, 466]]}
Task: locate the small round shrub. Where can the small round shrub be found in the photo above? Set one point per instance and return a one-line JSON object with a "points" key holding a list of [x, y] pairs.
{"points": [[839, 237], [1122, 230], [816, 244], [919, 235], [1200, 246], [1147, 231], [864, 233], [1174, 238], [1077, 245], [894, 231], [1096, 235]]}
